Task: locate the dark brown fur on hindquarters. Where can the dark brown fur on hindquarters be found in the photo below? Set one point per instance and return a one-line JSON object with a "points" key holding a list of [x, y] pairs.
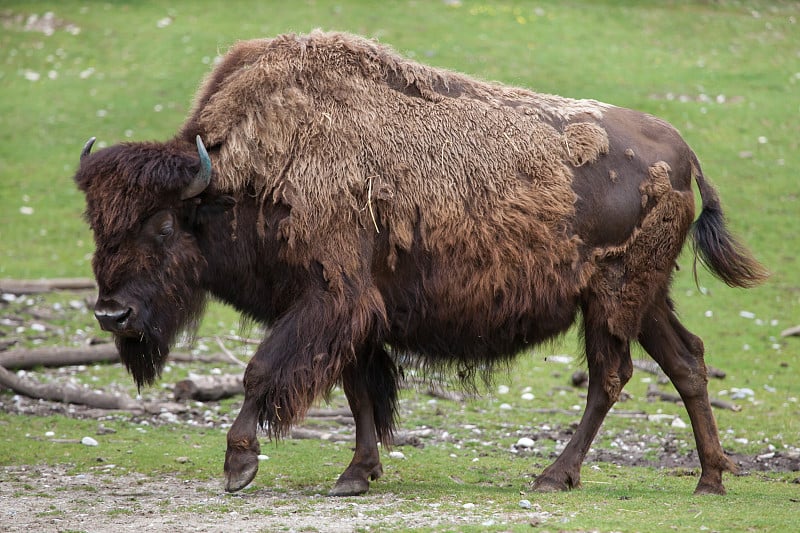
{"points": [[375, 212]]}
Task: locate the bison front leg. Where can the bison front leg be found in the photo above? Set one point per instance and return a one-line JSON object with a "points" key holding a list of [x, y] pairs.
{"points": [[241, 457], [610, 368], [304, 357], [371, 389], [281, 381], [366, 462]]}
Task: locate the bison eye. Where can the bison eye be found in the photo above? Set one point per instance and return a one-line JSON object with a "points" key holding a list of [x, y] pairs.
{"points": [[166, 229], [159, 226]]}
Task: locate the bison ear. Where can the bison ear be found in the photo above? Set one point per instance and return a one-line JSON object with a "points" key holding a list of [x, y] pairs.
{"points": [[203, 176]]}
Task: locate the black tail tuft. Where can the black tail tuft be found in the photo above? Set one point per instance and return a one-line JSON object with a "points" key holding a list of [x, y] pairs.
{"points": [[716, 248]]}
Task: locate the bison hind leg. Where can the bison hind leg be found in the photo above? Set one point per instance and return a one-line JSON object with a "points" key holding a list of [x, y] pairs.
{"points": [[610, 368], [681, 355]]}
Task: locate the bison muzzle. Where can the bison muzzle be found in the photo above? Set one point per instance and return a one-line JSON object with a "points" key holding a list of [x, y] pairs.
{"points": [[373, 212]]}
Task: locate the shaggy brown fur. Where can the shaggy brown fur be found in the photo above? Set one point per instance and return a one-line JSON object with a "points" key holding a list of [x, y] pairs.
{"points": [[371, 209]]}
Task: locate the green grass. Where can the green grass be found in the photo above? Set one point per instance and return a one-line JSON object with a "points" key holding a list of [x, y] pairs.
{"points": [[725, 73]]}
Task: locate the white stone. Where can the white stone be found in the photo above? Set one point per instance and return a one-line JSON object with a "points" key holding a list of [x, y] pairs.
{"points": [[740, 393], [525, 442], [88, 441], [678, 423]]}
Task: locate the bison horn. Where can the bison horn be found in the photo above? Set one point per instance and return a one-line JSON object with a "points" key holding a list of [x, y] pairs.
{"points": [[203, 177], [87, 148]]}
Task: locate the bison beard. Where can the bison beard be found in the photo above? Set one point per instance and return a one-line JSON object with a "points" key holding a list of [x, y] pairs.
{"points": [[387, 211], [145, 355]]}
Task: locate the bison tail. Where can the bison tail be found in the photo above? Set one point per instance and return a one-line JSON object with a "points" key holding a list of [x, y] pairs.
{"points": [[716, 248]]}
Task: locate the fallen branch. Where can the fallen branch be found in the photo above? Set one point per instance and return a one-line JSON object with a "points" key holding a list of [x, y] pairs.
{"points": [[209, 388], [434, 388], [55, 356], [36, 286], [305, 433], [228, 353], [722, 404], [791, 332], [438, 391], [401, 438], [651, 367], [66, 393], [653, 392], [24, 359], [243, 340], [329, 413]]}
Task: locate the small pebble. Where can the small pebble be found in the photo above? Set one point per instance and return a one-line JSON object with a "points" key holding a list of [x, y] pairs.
{"points": [[469, 506], [744, 392], [678, 423], [660, 417], [88, 441], [397, 455], [525, 442], [525, 504], [263, 457], [49, 434], [528, 396], [181, 460]]}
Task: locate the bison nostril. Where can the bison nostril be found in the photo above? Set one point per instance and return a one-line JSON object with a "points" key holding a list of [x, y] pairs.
{"points": [[121, 318], [113, 319]]}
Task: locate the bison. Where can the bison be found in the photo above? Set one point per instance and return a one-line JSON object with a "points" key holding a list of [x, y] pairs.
{"points": [[374, 212]]}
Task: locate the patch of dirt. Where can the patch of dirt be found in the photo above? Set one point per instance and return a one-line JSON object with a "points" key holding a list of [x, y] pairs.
{"points": [[36, 498], [44, 499]]}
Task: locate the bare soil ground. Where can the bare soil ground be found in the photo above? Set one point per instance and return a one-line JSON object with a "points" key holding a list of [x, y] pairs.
{"points": [[37, 498], [61, 502]]}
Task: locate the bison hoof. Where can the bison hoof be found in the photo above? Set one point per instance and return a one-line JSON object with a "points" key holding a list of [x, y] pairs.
{"points": [[351, 483], [240, 480], [551, 484], [349, 487], [710, 488], [241, 467]]}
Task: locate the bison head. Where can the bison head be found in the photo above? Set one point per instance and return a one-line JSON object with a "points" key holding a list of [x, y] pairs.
{"points": [[142, 203]]}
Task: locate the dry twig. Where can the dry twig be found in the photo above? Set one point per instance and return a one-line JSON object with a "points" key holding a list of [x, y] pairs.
{"points": [[37, 286], [66, 393]]}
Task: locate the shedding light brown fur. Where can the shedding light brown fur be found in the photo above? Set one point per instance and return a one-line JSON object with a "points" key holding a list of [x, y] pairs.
{"points": [[310, 121]]}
